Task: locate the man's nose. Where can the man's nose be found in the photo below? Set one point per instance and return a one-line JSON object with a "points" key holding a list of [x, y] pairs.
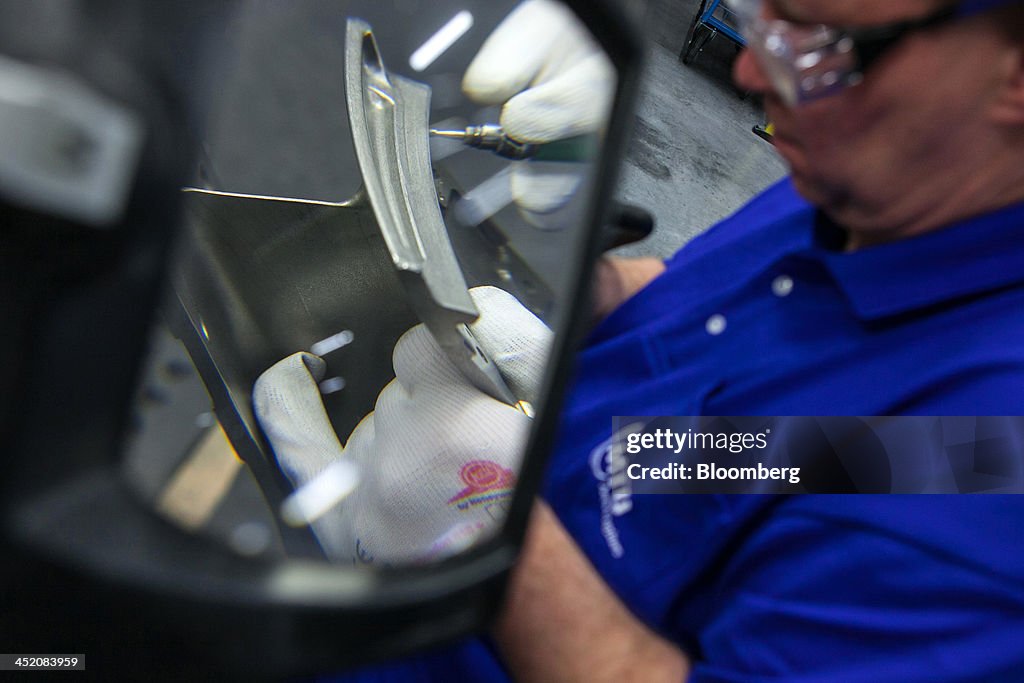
{"points": [[748, 74]]}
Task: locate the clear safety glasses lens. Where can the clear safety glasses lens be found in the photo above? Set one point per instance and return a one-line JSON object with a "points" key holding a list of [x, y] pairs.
{"points": [[803, 62]]}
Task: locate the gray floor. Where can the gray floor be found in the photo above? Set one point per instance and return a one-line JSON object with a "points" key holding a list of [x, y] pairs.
{"points": [[693, 159]]}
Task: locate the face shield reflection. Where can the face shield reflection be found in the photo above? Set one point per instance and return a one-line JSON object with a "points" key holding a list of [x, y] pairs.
{"points": [[374, 348]]}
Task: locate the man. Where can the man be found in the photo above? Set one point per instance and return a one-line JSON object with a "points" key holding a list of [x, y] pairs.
{"points": [[885, 277]]}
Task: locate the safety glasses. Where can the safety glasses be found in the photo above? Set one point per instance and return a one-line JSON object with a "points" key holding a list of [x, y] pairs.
{"points": [[806, 62]]}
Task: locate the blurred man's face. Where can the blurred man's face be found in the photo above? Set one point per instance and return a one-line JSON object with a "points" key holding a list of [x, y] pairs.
{"points": [[876, 155]]}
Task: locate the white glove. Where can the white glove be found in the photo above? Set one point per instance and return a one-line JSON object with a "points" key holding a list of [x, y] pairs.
{"points": [[436, 460], [555, 82]]}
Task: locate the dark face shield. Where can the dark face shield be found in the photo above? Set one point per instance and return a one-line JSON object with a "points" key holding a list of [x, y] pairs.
{"points": [[146, 489]]}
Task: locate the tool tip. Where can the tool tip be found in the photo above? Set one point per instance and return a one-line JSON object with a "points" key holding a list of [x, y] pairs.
{"points": [[454, 134]]}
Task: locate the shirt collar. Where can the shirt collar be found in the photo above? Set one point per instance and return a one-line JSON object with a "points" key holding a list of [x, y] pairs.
{"points": [[965, 259]]}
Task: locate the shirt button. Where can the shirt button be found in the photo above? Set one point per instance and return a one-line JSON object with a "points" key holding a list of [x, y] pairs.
{"points": [[782, 286], [715, 324]]}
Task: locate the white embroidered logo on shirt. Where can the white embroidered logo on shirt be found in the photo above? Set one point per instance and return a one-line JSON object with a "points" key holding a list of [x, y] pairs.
{"points": [[608, 463]]}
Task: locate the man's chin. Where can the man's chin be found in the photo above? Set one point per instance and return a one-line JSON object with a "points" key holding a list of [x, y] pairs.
{"points": [[807, 188], [808, 180], [832, 200]]}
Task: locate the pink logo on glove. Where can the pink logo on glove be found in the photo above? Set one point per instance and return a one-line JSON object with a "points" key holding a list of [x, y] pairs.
{"points": [[485, 481]]}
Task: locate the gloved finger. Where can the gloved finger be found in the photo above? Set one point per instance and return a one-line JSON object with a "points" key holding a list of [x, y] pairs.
{"points": [[289, 408], [540, 188], [416, 453], [360, 442], [517, 341], [424, 376], [457, 407], [444, 464], [517, 50], [336, 529], [420, 362], [574, 102]]}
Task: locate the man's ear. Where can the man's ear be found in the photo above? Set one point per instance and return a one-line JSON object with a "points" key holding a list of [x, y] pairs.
{"points": [[1008, 109]]}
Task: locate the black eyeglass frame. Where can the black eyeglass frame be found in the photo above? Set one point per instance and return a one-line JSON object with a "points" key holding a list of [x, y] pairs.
{"points": [[870, 43]]}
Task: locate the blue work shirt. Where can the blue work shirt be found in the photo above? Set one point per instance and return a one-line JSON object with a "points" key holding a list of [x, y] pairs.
{"points": [[765, 315]]}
